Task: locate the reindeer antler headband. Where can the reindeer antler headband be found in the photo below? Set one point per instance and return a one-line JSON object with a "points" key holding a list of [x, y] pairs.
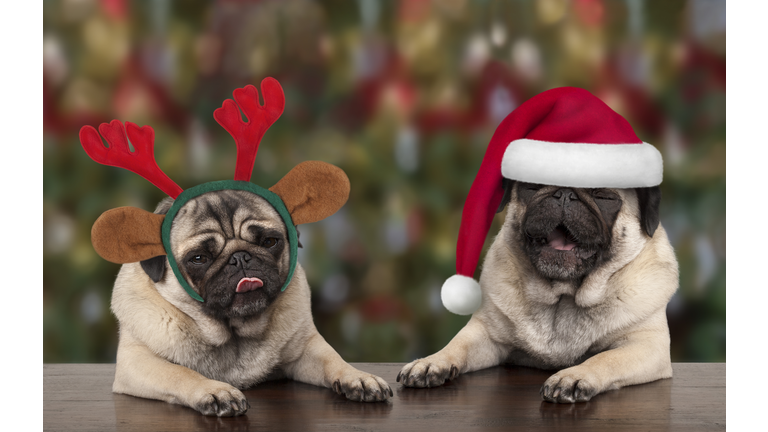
{"points": [[311, 191]]}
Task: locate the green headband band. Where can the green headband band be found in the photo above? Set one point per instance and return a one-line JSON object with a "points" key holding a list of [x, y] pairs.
{"points": [[198, 190]]}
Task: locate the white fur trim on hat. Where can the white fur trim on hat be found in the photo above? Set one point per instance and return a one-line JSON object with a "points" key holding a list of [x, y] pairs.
{"points": [[461, 295], [582, 165]]}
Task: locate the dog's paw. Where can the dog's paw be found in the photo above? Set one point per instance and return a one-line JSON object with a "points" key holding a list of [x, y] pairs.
{"points": [[569, 386], [427, 372], [362, 387], [220, 399]]}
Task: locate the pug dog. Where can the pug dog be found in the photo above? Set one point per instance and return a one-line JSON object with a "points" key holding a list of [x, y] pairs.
{"points": [[232, 248], [577, 280]]}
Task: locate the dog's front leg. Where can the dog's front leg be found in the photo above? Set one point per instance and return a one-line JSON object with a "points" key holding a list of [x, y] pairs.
{"points": [[640, 356], [470, 350], [321, 365], [139, 372]]}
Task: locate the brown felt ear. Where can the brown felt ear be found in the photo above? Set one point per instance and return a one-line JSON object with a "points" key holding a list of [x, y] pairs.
{"points": [[312, 191], [128, 234]]}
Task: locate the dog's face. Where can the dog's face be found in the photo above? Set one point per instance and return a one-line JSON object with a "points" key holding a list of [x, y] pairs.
{"points": [[565, 232], [232, 248]]}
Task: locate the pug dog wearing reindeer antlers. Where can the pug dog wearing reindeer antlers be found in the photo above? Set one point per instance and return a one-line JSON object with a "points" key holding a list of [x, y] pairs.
{"points": [[210, 298]]}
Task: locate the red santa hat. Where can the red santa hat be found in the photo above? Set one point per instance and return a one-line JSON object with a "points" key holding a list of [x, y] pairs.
{"points": [[561, 137]]}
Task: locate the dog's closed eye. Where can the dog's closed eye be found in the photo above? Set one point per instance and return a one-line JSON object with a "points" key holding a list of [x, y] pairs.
{"points": [[603, 194]]}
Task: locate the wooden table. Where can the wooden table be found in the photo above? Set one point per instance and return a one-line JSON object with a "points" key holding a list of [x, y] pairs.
{"points": [[78, 397]]}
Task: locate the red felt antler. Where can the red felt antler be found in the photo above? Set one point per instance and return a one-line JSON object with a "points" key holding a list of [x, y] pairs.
{"points": [[141, 160], [247, 135]]}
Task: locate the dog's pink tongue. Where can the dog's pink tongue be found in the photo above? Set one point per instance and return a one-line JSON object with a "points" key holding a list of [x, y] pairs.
{"points": [[558, 240], [249, 284]]}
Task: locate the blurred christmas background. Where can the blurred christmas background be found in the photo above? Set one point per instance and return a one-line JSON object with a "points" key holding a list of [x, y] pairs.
{"points": [[404, 96]]}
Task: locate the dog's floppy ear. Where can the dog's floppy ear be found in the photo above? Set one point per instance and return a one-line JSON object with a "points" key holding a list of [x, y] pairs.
{"points": [[649, 198], [128, 234], [312, 191], [507, 184], [155, 267]]}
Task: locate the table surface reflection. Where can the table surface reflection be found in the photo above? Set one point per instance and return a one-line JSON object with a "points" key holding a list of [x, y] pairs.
{"points": [[79, 397]]}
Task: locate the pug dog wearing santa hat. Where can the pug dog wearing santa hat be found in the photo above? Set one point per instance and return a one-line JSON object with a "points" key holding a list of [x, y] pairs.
{"points": [[579, 276]]}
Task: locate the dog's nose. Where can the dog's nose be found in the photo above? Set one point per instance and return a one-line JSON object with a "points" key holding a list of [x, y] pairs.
{"points": [[565, 195], [239, 259]]}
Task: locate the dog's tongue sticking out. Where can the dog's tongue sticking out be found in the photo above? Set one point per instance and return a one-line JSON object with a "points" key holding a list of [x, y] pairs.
{"points": [[249, 284], [558, 239]]}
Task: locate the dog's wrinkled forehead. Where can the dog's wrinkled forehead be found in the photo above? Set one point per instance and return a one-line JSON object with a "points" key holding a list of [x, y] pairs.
{"points": [[223, 215]]}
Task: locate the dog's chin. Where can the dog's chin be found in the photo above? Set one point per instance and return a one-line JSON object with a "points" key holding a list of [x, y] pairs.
{"points": [[249, 304], [560, 256], [233, 304]]}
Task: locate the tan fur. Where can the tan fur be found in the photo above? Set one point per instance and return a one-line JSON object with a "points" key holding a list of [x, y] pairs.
{"points": [[607, 333], [182, 358], [170, 350]]}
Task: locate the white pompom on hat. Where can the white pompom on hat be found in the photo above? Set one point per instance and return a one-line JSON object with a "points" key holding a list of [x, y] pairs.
{"points": [[561, 137], [461, 294]]}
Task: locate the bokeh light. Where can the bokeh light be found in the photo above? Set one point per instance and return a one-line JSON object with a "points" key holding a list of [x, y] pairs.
{"points": [[404, 96]]}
